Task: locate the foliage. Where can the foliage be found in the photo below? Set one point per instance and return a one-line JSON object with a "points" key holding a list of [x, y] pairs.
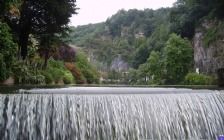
{"points": [[138, 36], [65, 53], [187, 14], [37, 79], [178, 58], [21, 72], [197, 79], [68, 77], [158, 38], [56, 64], [212, 34], [48, 77], [141, 54], [3, 70], [155, 69], [87, 70], [56, 69], [56, 73], [7, 51], [38, 28], [184, 19], [25, 74], [217, 10], [43, 19], [113, 75], [117, 35], [82, 71], [133, 76]]}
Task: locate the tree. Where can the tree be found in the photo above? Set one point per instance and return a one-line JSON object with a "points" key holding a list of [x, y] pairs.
{"points": [[7, 51], [87, 70], [142, 52], [178, 57], [48, 45], [158, 38], [43, 17], [4, 7], [155, 69], [186, 15]]}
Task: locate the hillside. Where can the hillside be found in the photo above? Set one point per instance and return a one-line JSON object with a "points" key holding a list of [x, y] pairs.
{"points": [[124, 34], [126, 40]]}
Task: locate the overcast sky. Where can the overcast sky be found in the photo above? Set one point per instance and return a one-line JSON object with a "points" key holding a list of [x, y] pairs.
{"points": [[95, 11]]}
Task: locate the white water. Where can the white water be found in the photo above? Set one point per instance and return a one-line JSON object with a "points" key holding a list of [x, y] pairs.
{"points": [[112, 113]]}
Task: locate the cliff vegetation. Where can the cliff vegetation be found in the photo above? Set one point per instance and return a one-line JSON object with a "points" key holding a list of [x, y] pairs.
{"points": [[156, 46]]}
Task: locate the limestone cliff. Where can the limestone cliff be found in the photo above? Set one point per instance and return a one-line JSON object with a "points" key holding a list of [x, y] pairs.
{"points": [[209, 56], [119, 65]]}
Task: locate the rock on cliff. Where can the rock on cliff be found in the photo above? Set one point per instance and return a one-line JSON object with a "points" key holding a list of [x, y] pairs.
{"points": [[119, 65], [209, 57]]}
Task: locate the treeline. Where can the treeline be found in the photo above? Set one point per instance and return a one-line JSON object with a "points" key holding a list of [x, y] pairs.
{"points": [[155, 43], [32, 45]]}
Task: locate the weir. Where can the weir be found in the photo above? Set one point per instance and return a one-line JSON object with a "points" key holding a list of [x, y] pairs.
{"points": [[112, 113]]}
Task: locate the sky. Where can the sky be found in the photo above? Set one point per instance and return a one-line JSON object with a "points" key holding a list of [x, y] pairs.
{"points": [[96, 11]]}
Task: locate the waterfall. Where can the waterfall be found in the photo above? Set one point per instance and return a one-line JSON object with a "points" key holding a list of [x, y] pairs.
{"points": [[45, 116]]}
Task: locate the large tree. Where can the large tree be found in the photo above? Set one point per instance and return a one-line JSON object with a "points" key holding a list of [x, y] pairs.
{"points": [[43, 17], [178, 57], [7, 51], [155, 68]]}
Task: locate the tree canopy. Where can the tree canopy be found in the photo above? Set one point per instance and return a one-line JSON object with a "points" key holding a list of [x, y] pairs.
{"points": [[178, 56], [40, 18]]}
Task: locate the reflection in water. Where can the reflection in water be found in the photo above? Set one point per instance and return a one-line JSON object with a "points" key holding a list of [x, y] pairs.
{"points": [[194, 115]]}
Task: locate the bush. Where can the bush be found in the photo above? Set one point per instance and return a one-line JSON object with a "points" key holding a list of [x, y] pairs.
{"points": [[7, 51], [57, 74], [21, 72], [56, 64], [68, 77], [48, 77], [37, 79], [197, 79], [3, 70]]}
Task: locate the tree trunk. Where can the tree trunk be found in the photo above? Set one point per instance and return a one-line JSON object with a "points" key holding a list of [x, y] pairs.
{"points": [[23, 42], [46, 57]]}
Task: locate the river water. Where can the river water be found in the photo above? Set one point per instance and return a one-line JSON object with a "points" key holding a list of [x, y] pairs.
{"points": [[109, 113]]}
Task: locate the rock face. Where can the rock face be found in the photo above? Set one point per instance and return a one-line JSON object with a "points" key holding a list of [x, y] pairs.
{"points": [[119, 65], [9, 81], [208, 58]]}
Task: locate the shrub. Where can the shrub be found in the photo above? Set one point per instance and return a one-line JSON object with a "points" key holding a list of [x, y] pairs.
{"points": [[197, 79], [69, 66], [21, 72], [48, 77], [57, 74], [3, 70], [56, 64], [68, 77], [37, 79]]}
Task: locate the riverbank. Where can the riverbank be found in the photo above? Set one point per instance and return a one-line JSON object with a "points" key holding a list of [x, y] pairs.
{"points": [[15, 88]]}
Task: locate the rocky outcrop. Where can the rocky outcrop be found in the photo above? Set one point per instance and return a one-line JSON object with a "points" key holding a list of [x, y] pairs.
{"points": [[208, 58], [119, 65], [9, 81]]}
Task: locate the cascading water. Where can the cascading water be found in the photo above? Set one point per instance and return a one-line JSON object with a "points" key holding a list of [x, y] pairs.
{"points": [[163, 114]]}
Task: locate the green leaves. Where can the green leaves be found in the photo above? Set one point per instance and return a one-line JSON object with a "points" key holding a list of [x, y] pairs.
{"points": [[197, 79], [178, 57], [7, 51]]}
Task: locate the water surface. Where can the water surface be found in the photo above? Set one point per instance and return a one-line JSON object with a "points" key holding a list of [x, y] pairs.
{"points": [[111, 113]]}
